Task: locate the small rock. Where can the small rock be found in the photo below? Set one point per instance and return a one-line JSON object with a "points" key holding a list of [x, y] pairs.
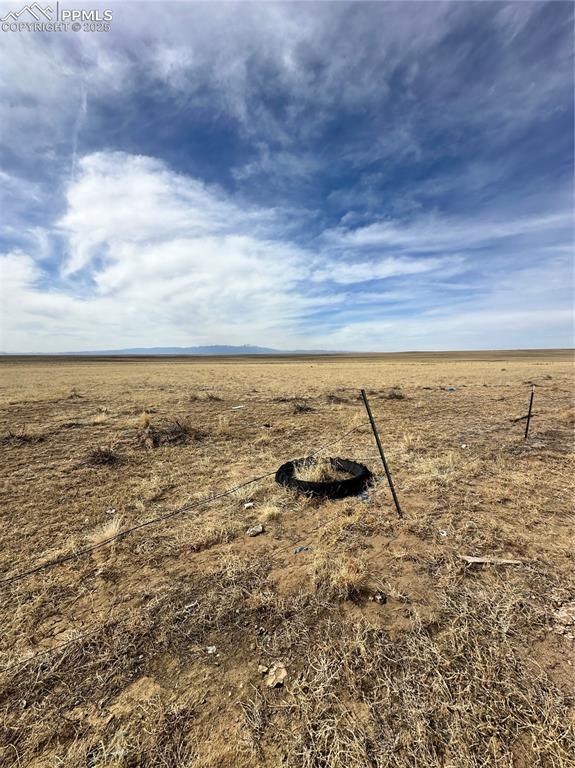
{"points": [[248, 504], [380, 597], [464, 445], [255, 530], [111, 511], [211, 649], [276, 675], [442, 532], [262, 669]]}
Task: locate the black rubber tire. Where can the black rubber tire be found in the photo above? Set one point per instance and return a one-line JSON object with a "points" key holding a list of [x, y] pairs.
{"points": [[336, 489]]}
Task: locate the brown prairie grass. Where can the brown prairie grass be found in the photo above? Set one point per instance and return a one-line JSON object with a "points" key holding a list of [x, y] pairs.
{"points": [[436, 688], [397, 652], [320, 471]]}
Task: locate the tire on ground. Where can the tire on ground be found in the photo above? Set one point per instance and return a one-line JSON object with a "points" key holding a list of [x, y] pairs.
{"points": [[360, 478]]}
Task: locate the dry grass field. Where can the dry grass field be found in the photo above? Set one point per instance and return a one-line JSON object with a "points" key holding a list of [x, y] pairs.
{"points": [[159, 648]]}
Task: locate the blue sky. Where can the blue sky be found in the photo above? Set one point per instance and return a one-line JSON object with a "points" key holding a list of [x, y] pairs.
{"points": [[355, 176]]}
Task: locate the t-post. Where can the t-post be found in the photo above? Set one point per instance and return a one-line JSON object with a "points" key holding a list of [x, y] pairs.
{"points": [[381, 453]]}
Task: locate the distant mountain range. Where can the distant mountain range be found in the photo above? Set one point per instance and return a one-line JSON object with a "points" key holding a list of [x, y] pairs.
{"points": [[215, 349]]}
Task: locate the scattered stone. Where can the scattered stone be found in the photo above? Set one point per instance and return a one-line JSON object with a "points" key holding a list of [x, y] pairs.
{"points": [[380, 597], [564, 620], [262, 669], [255, 530], [464, 445], [276, 675], [110, 511], [211, 649]]}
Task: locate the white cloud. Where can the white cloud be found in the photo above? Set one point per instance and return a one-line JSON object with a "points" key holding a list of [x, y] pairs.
{"points": [[156, 254], [119, 199], [159, 258], [353, 270], [434, 232]]}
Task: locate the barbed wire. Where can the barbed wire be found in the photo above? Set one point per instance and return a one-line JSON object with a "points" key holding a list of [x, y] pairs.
{"points": [[160, 518]]}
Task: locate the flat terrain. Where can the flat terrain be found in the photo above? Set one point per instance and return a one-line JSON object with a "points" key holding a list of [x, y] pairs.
{"points": [[155, 649]]}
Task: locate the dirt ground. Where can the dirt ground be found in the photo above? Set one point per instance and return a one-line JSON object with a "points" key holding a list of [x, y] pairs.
{"points": [[159, 648]]}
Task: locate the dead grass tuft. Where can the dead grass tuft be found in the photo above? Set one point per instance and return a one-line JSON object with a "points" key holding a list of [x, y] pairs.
{"points": [[20, 436], [320, 471], [223, 427], [302, 406], [104, 455], [106, 531], [175, 432], [394, 394], [337, 399], [339, 576], [206, 535]]}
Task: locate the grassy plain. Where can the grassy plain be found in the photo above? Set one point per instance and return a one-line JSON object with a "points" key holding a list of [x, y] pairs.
{"points": [[397, 652]]}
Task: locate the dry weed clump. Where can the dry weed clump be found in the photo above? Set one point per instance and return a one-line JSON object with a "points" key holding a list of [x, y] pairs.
{"points": [[336, 399], [302, 406], [104, 455], [21, 436], [394, 394], [175, 432]]}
